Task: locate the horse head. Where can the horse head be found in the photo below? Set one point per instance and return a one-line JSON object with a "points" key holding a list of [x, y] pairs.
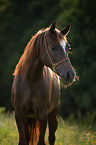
{"points": [[55, 53]]}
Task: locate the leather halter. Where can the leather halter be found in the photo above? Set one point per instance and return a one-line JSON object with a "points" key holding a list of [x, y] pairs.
{"points": [[54, 64]]}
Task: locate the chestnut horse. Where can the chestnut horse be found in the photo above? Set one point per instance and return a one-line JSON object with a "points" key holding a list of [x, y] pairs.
{"points": [[36, 86]]}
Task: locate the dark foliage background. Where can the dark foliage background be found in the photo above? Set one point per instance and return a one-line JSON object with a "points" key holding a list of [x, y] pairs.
{"points": [[20, 20]]}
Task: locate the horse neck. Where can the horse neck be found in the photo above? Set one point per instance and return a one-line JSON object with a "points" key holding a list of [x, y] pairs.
{"points": [[35, 71]]}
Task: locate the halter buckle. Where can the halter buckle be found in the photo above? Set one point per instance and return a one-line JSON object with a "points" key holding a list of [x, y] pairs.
{"points": [[54, 67]]}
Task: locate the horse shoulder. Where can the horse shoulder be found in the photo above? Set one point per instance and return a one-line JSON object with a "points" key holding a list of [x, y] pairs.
{"points": [[54, 97], [55, 79]]}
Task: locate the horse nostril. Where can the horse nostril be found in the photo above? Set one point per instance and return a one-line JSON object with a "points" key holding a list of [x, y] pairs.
{"points": [[68, 74]]}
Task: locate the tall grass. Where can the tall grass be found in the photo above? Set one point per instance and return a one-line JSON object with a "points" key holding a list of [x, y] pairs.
{"points": [[8, 129], [69, 132]]}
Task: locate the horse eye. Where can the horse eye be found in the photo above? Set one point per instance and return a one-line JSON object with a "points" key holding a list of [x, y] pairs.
{"points": [[53, 48]]}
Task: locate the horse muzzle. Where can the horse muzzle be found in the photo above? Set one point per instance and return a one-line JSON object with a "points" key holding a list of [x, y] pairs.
{"points": [[67, 77]]}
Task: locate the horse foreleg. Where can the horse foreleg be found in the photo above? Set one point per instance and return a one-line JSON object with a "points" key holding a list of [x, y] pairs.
{"points": [[21, 128], [52, 122], [42, 126]]}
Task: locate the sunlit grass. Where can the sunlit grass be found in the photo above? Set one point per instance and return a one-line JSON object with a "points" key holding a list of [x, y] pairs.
{"points": [[74, 134], [68, 133], [8, 130]]}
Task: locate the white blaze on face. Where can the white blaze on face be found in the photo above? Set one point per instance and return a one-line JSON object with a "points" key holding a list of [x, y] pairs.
{"points": [[63, 44]]}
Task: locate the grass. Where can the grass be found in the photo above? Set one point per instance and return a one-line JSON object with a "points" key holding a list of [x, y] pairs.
{"points": [[68, 133]]}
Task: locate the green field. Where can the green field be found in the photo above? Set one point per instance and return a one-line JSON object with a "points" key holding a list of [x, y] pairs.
{"points": [[68, 133]]}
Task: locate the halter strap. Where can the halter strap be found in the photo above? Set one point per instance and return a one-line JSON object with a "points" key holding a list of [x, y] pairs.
{"points": [[54, 64]]}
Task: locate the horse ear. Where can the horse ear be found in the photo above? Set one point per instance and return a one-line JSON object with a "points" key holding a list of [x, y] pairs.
{"points": [[53, 26], [66, 30]]}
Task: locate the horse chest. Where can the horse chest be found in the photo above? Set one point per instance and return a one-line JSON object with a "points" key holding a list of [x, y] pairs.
{"points": [[48, 94], [42, 95]]}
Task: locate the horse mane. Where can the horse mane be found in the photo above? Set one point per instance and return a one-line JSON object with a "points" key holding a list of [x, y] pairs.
{"points": [[33, 49], [31, 52]]}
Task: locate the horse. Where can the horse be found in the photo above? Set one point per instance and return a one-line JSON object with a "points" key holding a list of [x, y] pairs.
{"points": [[35, 90]]}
